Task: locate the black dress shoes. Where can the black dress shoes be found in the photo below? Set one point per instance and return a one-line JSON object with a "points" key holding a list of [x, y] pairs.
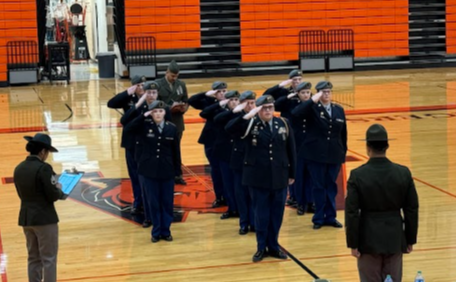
{"points": [[244, 230], [147, 223], [300, 210], [336, 224], [311, 208], [252, 229], [218, 203], [180, 181], [229, 214], [168, 238], [317, 226], [277, 254], [259, 255], [155, 239]]}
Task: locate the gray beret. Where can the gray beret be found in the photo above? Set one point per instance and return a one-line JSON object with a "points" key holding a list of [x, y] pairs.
{"points": [[323, 85], [304, 85], [151, 85], [158, 104], [247, 95], [218, 85], [232, 94], [295, 73], [137, 80], [264, 99]]}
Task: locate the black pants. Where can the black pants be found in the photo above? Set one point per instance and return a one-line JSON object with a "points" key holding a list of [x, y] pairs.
{"points": [[178, 172]]}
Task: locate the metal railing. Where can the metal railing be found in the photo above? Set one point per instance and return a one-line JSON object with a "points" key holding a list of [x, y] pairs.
{"points": [[22, 54], [140, 51], [312, 43]]}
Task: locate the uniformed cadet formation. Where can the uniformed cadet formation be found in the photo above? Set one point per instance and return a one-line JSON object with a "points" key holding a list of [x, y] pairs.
{"points": [[256, 160]]}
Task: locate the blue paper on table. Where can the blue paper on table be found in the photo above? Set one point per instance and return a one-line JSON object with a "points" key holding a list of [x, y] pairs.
{"points": [[69, 181]]}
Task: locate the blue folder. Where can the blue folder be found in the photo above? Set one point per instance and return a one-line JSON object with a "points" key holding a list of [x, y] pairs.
{"points": [[69, 180]]}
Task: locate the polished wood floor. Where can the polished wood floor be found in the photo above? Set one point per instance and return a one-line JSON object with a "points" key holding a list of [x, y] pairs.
{"points": [[416, 106]]}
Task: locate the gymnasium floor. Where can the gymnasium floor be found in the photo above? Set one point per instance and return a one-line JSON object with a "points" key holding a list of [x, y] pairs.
{"points": [[99, 243]]}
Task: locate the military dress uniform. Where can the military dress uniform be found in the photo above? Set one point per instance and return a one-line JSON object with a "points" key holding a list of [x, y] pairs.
{"points": [[379, 193], [302, 187], [157, 165], [325, 150], [222, 151], [207, 137], [170, 93], [125, 101], [129, 116], [242, 197], [35, 183], [269, 163]]}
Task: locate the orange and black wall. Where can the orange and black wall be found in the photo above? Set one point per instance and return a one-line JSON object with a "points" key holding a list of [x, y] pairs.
{"points": [[268, 28]]}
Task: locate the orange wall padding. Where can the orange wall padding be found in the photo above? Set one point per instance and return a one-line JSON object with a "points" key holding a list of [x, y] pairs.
{"points": [[17, 22], [174, 23], [270, 28], [450, 26]]}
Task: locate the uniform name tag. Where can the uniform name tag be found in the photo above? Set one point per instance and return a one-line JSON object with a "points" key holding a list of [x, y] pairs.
{"points": [[339, 120], [170, 138], [150, 135]]}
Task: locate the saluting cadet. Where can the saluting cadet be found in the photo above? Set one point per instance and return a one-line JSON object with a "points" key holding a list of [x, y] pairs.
{"points": [[279, 90], [208, 135], [223, 147], [302, 188], [142, 106], [157, 165], [173, 92], [126, 100], [269, 167], [325, 150], [243, 199]]}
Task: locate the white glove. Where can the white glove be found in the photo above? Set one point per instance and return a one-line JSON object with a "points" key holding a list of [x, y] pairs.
{"points": [[224, 102], [211, 93], [291, 95], [240, 107], [131, 90], [286, 82], [147, 113], [252, 113], [317, 97]]}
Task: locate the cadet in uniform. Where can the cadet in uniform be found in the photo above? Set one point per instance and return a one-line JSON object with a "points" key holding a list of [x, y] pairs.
{"points": [[38, 189], [243, 199], [302, 187], [151, 93], [223, 147], [325, 150], [279, 90], [200, 101], [269, 167], [157, 165], [378, 192], [174, 93], [126, 100]]}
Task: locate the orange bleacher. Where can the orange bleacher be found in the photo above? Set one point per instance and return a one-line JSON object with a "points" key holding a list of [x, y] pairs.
{"points": [[174, 23], [18, 21], [450, 26], [270, 28]]}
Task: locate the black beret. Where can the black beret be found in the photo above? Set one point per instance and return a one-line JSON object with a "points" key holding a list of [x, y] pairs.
{"points": [[138, 80], [264, 99], [232, 94], [218, 85], [249, 94], [304, 85], [151, 85], [157, 104], [294, 73], [323, 85]]}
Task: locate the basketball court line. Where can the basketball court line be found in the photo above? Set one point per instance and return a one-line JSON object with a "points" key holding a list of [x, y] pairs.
{"points": [[93, 278], [3, 261]]}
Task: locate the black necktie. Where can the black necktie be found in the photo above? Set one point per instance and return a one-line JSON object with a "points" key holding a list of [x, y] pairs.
{"points": [[267, 128]]}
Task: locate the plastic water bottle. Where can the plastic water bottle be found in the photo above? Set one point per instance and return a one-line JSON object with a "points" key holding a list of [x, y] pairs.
{"points": [[388, 278], [419, 277]]}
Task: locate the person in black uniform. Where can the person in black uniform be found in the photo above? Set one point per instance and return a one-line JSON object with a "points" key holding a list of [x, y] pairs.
{"points": [[243, 199], [173, 92], [379, 192], [37, 187], [325, 150], [150, 95], [223, 147], [200, 101], [269, 167], [279, 90], [157, 166], [126, 100], [302, 187]]}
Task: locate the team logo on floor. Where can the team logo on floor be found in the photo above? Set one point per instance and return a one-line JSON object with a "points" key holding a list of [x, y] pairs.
{"points": [[114, 195]]}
